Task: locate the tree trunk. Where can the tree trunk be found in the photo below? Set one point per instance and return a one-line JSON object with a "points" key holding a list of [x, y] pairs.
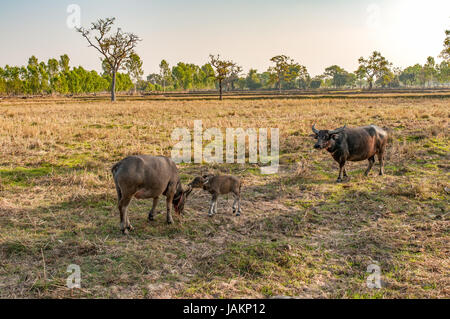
{"points": [[370, 84], [220, 90], [113, 87]]}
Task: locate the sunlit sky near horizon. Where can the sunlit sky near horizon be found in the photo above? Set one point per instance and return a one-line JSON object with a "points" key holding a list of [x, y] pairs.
{"points": [[316, 34]]}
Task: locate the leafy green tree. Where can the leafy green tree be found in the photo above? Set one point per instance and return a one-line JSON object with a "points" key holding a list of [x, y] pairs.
{"points": [[429, 70], [265, 79], [64, 62], [165, 74], [444, 72], [134, 66], [410, 75], [375, 66], [31, 76], [185, 75], [316, 82], [44, 78], [285, 70], [253, 81], [115, 47], [14, 83], [2, 81], [207, 76], [445, 54], [154, 78], [385, 78], [304, 79], [339, 77], [53, 73]]}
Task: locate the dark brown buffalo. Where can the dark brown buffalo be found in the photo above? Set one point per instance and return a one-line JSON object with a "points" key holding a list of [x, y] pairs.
{"points": [[144, 176], [353, 144]]}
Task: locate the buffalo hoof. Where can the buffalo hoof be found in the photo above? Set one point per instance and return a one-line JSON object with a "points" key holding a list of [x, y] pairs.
{"points": [[381, 174], [238, 214], [130, 228], [170, 221], [339, 180], [125, 231], [151, 218]]}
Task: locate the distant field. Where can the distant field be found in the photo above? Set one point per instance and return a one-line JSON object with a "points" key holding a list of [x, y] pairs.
{"points": [[301, 234]]}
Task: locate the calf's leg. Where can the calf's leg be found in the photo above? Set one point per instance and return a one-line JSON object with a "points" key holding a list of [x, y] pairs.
{"points": [[237, 200], [213, 206]]}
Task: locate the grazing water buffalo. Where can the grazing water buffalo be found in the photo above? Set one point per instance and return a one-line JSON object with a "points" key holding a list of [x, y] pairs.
{"points": [[353, 144], [144, 176], [220, 185]]}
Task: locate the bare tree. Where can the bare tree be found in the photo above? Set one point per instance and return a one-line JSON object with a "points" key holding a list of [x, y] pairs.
{"points": [[223, 70], [235, 71], [115, 47]]}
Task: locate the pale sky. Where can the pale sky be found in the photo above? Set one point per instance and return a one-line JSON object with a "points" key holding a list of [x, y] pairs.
{"points": [[316, 34]]}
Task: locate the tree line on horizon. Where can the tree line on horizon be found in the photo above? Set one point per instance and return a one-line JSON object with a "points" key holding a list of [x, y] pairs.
{"points": [[118, 54]]}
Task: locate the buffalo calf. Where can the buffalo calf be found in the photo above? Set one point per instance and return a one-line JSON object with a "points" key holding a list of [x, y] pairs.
{"points": [[220, 185]]}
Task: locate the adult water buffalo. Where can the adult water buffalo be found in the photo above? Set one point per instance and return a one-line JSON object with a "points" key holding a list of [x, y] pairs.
{"points": [[353, 144], [144, 176]]}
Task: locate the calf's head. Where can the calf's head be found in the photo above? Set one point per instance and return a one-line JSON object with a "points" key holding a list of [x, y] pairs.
{"points": [[200, 181], [326, 138], [197, 182]]}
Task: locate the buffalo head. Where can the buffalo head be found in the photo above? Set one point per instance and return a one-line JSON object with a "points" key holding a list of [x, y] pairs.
{"points": [[325, 138], [180, 198]]}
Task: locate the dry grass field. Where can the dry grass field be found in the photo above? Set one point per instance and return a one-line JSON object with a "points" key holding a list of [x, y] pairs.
{"points": [[301, 234]]}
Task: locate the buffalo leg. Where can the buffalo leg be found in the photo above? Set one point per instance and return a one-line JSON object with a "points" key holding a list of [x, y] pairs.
{"points": [[371, 162], [345, 172], [169, 204], [124, 221], [341, 169], [237, 200], [212, 207], [381, 160], [151, 215]]}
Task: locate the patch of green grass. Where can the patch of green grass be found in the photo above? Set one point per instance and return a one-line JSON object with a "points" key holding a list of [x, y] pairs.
{"points": [[22, 176], [254, 259], [74, 160]]}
